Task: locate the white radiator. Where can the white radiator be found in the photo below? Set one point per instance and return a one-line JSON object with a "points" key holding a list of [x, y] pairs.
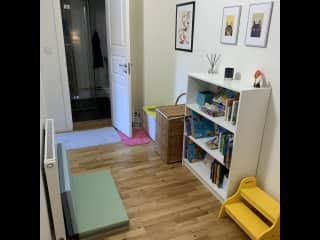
{"points": [[52, 179]]}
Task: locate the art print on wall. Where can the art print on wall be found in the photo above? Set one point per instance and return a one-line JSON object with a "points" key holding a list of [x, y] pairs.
{"points": [[258, 24], [184, 26], [230, 24]]}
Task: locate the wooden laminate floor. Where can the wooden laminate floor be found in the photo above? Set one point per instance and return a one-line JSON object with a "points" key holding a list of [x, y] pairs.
{"points": [[92, 124], [163, 202]]}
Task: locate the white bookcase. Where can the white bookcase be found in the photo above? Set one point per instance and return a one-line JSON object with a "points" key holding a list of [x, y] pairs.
{"points": [[248, 131]]}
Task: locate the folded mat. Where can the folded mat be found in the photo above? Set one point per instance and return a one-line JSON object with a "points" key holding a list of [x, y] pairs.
{"points": [[65, 190], [97, 205]]}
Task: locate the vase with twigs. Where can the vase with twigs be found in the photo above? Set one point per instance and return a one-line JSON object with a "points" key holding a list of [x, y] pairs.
{"points": [[213, 59]]}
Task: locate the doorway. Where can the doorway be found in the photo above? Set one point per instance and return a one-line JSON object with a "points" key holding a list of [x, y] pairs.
{"points": [[85, 42]]}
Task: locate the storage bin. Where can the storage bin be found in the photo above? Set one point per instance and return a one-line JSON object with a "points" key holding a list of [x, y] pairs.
{"points": [[149, 121], [169, 132], [204, 97]]}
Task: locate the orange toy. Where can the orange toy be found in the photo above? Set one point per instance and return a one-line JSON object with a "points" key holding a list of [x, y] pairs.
{"points": [[258, 78]]}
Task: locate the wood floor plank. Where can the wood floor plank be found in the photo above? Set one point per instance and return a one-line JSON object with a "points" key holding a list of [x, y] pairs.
{"points": [[163, 202], [85, 125]]}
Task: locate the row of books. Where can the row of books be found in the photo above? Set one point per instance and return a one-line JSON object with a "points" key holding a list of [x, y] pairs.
{"points": [[218, 173], [231, 110], [198, 126], [225, 146], [193, 152]]}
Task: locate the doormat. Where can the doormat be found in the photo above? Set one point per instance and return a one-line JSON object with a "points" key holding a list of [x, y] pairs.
{"points": [[88, 138], [138, 137]]}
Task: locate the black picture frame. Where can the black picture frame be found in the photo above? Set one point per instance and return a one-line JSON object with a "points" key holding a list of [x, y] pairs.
{"points": [[192, 26]]}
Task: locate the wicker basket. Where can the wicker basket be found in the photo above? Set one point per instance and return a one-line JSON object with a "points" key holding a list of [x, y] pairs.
{"points": [[169, 132]]}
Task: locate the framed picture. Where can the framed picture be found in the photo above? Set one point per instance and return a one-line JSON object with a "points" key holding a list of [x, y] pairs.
{"points": [[258, 24], [230, 24], [184, 26]]}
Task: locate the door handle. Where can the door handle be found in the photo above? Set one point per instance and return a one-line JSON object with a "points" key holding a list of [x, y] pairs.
{"points": [[123, 65]]}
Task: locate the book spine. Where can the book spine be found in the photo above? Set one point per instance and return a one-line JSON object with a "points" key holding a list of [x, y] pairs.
{"points": [[226, 110], [232, 111], [226, 140], [234, 118]]}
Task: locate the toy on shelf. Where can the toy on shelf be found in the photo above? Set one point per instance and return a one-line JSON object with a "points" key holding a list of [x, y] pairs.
{"points": [[213, 110], [256, 212], [213, 143], [258, 79], [204, 97]]}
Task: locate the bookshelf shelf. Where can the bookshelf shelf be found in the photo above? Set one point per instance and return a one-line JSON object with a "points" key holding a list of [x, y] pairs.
{"points": [[235, 85], [202, 172], [218, 120], [247, 132], [201, 142]]}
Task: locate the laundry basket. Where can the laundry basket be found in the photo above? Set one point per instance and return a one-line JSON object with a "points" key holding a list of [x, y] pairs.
{"points": [[169, 129], [149, 121]]}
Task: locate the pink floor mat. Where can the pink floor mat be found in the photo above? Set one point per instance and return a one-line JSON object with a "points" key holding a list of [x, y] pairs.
{"points": [[139, 137]]}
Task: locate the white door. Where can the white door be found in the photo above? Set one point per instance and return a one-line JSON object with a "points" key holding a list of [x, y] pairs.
{"points": [[117, 12]]}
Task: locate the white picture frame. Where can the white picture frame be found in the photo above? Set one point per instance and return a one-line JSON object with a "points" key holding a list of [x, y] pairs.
{"points": [[230, 24], [258, 25]]}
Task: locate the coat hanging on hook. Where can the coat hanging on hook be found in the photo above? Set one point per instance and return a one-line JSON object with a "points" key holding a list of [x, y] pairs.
{"points": [[97, 55]]}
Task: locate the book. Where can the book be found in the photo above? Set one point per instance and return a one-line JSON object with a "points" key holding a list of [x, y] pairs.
{"points": [[230, 112], [194, 152], [218, 173], [229, 152], [219, 144], [221, 177], [225, 144], [201, 127], [228, 108], [235, 111], [215, 172], [228, 147], [188, 125], [185, 148]]}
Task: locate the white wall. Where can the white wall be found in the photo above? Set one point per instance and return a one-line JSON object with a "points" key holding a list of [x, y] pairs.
{"points": [[53, 66], [158, 56], [45, 233], [136, 41], [166, 69]]}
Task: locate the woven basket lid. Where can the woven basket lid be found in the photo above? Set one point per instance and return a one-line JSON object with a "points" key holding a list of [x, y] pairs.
{"points": [[172, 111]]}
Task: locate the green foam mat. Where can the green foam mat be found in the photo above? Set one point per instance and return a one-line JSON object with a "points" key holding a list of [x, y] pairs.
{"points": [[98, 206]]}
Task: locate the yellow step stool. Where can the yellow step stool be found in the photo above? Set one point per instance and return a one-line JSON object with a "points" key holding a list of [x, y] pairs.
{"points": [[256, 212]]}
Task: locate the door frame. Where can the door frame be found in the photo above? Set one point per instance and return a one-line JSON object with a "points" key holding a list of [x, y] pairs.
{"points": [[62, 64]]}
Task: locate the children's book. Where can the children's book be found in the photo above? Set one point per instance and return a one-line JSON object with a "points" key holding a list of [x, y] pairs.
{"points": [[188, 125], [235, 111], [229, 102], [190, 150], [201, 126]]}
